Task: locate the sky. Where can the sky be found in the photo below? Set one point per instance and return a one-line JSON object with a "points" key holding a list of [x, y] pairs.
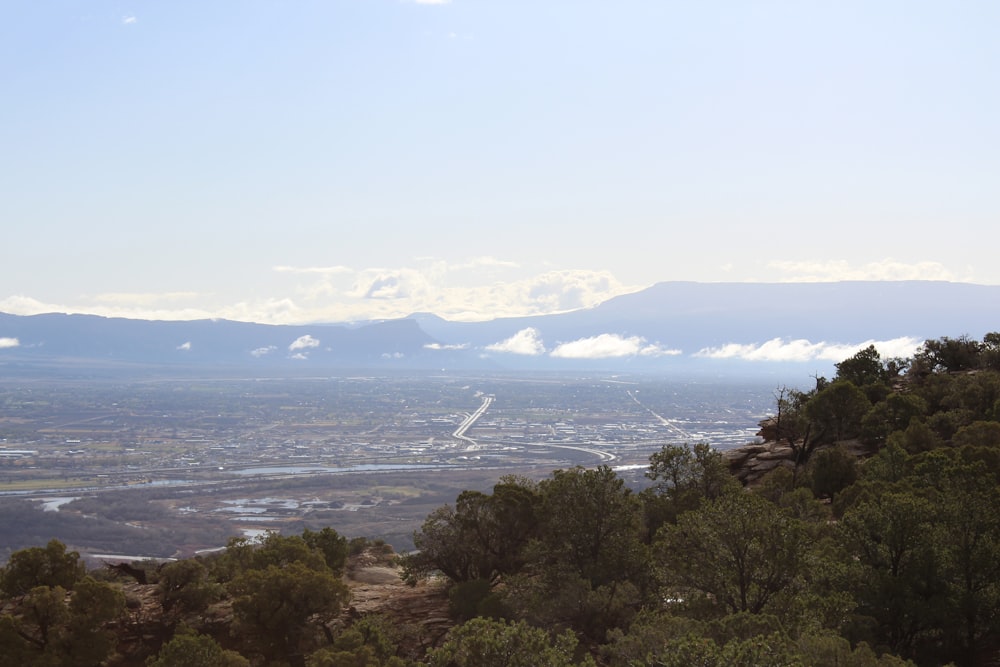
{"points": [[341, 160]]}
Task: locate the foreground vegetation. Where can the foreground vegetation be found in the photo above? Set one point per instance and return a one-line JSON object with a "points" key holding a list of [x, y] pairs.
{"points": [[828, 560]]}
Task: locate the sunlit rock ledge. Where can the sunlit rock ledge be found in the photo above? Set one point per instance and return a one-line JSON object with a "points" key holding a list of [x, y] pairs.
{"points": [[751, 462]]}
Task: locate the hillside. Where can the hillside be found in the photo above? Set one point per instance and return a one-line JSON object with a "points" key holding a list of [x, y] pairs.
{"points": [[873, 538]]}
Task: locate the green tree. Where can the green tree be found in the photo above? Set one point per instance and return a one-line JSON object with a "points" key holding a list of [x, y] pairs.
{"points": [[186, 583], [278, 608], [974, 393], [739, 550], [272, 549], [967, 512], [772, 650], [791, 425], [482, 538], [677, 469], [38, 566], [646, 636], [895, 413], [590, 523], [836, 411], [13, 644], [948, 355], [52, 631], [371, 641], [353, 649], [803, 505], [832, 470], [891, 465], [683, 478], [332, 545], [894, 542], [94, 604], [774, 484], [916, 438], [827, 650], [44, 617], [868, 372], [588, 567], [864, 368], [188, 649], [990, 355], [978, 434], [489, 643]]}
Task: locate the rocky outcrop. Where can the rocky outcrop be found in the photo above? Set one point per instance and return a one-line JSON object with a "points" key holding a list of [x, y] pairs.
{"points": [[752, 462], [419, 611]]}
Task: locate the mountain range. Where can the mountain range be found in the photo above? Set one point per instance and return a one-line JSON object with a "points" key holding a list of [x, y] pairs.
{"points": [[669, 327]]}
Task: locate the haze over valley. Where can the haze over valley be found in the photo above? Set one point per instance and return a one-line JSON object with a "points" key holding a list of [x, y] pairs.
{"points": [[203, 457]]}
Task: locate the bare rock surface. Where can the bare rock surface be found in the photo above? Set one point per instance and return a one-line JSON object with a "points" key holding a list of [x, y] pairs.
{"points": [[752, 462], [419, 611]]}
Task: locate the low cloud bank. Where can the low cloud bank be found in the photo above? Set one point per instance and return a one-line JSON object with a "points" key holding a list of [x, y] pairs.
{"points": [[800, 349], [607, 346], [886, 269], [528, 341]]}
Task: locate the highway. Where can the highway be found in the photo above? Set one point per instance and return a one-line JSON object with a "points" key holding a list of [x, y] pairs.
{"points": [[470, 420], [663, 420]]}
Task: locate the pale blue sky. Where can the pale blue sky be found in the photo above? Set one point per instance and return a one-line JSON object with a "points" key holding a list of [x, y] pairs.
{"points": [[343, 159]]}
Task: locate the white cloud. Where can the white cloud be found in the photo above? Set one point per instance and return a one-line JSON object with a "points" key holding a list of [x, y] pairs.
{"points": [[657, 351], [903, 347], [144, 298], [184, 347], [138, 306], [439, 346], [606, 346], [482, 288], [526, 341], [9, 342], [778, 349], [267, 311], [388, 286], [483, 262], [321, 270], [298, 356], [129, 20], [393, 355], [261, 351], [837, 270], [25, 305], [133, 306], [137, 299], [481, 292], [303, 343]]}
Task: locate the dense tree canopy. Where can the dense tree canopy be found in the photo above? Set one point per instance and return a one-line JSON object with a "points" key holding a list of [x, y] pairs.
{"points": [[486, 643], [738, 550], [48, 566]]}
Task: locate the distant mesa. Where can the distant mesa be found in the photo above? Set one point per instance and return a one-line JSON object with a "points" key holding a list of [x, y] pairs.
{"points": [[674, 327]]}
